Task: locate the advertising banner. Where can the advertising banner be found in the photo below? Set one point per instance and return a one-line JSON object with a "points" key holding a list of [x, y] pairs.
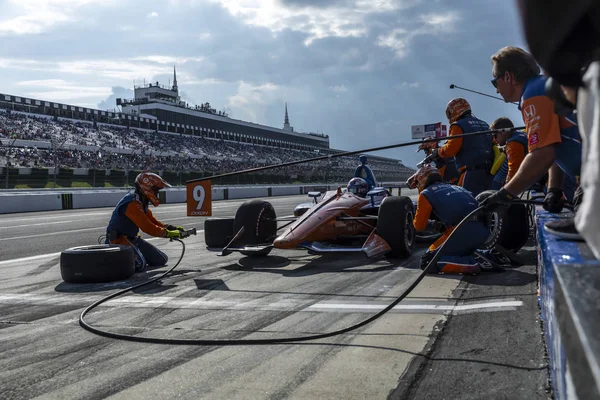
{"points": [[423, 131], [444, 131]]}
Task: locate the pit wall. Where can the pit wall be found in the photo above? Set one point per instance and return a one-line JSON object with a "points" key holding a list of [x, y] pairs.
{"points": [[16, 201], [569, 293]]}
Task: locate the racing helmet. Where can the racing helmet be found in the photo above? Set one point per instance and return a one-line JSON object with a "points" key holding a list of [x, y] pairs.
{"points": [[428, 146], [456, 108], [424, 176], [149, 184], [358, 186]]}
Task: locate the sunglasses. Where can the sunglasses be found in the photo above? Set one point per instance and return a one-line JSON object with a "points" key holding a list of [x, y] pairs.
{"points": [[494, 82]]}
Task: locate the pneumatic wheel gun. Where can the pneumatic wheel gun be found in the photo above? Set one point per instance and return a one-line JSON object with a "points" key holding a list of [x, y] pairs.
{"points": [[186, 233]]}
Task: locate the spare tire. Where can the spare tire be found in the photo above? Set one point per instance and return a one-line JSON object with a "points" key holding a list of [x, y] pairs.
{"points": [[218, 232], [259, 221], [395, 225], [97, 263], [510, 229]]}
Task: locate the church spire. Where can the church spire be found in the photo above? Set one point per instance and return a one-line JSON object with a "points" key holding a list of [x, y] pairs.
{"points": [[175, 88], [286, 121]]}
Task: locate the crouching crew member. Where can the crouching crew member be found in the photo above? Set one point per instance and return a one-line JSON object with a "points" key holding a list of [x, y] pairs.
{"points": [[132, 213], [474, 155], [451, 204]]}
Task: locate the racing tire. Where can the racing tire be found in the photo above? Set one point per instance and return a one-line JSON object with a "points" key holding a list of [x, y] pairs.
{"points": [[97, 264], [218, 232], [395, 225], [259, 221], [510, 229]]}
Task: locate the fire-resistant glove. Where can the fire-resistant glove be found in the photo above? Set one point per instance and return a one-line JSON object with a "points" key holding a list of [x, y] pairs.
{"points": [[499, 201], [554, 200], [170, 227], [173, 234]]}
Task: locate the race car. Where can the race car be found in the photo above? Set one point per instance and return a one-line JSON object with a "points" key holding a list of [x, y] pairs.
{"points": [[341, 222]]}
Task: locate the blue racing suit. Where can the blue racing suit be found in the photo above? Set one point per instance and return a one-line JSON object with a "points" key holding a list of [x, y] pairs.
{"points": [[451, 204]]}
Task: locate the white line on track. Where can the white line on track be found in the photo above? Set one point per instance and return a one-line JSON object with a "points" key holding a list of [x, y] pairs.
{"points": [[434, 307], [53, 233], [42, 224], [171, 302], [28, 259], [52, 255]]}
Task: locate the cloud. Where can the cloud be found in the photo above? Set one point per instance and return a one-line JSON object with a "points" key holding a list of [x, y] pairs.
{"points": [[128, 69], [338, 88], [317, 19], [60, 90], [153, 14], [111, 100], [29, 17], [399, 39], [410, 84], [249, 102]]}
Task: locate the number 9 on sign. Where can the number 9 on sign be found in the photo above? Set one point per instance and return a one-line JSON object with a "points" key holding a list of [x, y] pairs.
{"points": [[198, 194], [199, 199]]}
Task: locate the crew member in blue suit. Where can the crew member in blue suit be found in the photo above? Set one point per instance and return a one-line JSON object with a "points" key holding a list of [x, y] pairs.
{"points": [[132, 213], [365, 172], [474, 154], [451, 204]]}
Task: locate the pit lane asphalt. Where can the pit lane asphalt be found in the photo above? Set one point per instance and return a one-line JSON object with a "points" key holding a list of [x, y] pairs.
{"points": [[477, 337]]}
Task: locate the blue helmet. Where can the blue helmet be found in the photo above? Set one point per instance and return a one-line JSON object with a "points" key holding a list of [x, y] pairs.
{"points": [[358, 186], [362, 159]]}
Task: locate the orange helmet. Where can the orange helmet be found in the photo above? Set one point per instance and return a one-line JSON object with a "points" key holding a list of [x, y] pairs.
{"points": [[149, 184], [421, 177], [428, 145], [456, 108]]}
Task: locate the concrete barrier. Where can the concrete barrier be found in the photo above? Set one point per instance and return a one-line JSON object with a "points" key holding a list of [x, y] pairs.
{"points": [[26, 202], [14, 201], [247, 192], [92, 199]]}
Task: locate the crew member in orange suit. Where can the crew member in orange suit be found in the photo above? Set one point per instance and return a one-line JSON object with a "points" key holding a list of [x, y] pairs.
{"points": [[474, 155], [132, 213], [515, 147], [450, 204]]}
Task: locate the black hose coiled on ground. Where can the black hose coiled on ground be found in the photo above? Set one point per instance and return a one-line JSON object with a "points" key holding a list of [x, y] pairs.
{"points": [[232, 342]]}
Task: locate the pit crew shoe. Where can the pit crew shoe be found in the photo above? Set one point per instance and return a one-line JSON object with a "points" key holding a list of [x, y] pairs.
{"points": [[460, 269], [564, 229], [488, 262]]}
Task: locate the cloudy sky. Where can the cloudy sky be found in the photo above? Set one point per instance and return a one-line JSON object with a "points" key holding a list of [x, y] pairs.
{"points": [[361, 71]]}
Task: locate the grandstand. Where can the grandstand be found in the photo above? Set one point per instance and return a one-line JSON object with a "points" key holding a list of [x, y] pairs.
{"points": [[40, 134]]}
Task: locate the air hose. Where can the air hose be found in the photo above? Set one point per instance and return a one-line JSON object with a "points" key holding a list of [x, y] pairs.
{"points": [[234, 342]]}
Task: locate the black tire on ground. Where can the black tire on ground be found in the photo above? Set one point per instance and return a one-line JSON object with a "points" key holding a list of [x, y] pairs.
{"points": [[395, 225], [218, 231], [259, 221], [510, 230], [259, 253], [97, 264]]}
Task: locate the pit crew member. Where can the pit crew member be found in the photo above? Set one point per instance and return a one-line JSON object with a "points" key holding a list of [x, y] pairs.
{"points": [[474, 155], [132, 213], [554, 142], [446, 166], [451, 204]]}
